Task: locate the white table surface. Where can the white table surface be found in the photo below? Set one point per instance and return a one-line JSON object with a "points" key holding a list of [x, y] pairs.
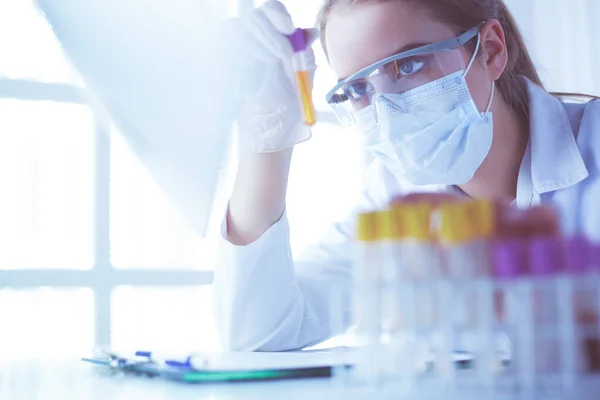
{"points": [[73, 379]]}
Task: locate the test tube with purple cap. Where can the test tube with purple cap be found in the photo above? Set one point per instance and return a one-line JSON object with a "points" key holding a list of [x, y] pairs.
{"points": [[513, 311], [546, 262], [300, 44]]}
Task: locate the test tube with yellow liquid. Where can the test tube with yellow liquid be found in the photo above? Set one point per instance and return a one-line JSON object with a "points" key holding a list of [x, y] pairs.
{"points": [[300, 64]]}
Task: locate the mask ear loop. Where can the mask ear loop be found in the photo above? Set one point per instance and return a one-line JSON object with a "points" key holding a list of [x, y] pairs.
{"points": [[474, 55], [489, 106]]}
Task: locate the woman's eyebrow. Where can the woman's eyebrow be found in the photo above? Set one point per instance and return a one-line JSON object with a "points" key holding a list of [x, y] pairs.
{"points": [[407, 47]]}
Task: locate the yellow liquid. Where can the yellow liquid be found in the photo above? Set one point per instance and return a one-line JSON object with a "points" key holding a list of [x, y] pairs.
{"points": [[310, 115]]}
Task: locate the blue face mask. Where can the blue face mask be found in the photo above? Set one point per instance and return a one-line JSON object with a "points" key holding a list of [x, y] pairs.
{"points": [[432, 135]]}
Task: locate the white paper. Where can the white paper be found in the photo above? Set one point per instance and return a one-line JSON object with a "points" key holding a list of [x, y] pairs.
{"points": [[258, 361], [150, 65], [242, 361]]}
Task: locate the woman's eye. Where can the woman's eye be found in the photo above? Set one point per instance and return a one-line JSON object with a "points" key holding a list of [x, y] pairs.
{"points": [[407, 67], [356, 90]]}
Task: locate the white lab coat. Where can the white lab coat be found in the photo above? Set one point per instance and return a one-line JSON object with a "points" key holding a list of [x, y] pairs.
{"points": [[267, 301]]}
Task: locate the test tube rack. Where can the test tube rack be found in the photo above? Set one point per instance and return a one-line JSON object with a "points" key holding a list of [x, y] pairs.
{"points": [[433, 281]]}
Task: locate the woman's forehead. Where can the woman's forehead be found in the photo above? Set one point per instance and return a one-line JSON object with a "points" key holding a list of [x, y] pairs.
{"points": [[362, 34]]}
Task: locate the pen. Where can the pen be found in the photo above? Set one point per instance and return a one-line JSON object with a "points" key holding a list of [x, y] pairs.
{"points": [[157, 359], [196, 362]]}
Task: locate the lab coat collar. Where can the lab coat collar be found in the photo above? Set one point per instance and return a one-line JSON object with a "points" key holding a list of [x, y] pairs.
{"points": [[556, 162]]}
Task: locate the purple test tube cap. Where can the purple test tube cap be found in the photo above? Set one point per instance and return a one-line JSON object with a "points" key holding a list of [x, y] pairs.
{"points": [[546, 256], [578, 255], [509, 260], [594, 256], [298, 40]]}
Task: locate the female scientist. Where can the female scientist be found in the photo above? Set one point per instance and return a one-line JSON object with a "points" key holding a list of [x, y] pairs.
{"points": [[444, 93]]}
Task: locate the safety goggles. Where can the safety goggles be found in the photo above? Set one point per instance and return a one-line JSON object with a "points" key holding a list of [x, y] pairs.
{"points": [[398, 74]]}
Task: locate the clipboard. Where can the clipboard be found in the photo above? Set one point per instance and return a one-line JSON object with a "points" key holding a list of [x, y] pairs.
{"points": [[222, 367]]}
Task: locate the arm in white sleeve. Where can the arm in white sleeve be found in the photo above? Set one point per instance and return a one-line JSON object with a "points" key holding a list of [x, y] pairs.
{"points": [[267, 301]]}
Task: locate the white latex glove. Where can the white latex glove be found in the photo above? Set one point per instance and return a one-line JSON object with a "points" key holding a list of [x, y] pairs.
{"points": [[271, 118]]}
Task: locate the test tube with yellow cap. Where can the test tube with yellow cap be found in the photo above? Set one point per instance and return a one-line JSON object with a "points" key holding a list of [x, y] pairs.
{"points": [[483, 214], [456, 292], [465, 231], [300, 63], [388, 270], [408, 354], [391, 325], [424, 271], [367, 299], [456, 232], [424, 263]]}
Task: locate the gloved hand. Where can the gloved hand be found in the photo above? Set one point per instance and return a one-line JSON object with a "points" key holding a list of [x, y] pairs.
{"points": [[271, 118]]}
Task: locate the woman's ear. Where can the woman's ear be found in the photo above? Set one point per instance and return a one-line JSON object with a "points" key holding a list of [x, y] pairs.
{"points": [[494, 48]]}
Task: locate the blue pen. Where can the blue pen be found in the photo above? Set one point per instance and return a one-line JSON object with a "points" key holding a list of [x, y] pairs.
{"points": [[140, 353], [171, 363]]}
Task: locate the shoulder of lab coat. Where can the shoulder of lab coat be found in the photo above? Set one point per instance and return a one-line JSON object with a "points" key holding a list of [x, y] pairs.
{"points": [[267, 301], [586, 212], [561, 166], [579, 202]]}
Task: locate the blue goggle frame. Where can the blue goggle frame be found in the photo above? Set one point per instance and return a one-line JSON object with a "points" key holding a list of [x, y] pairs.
{"points": [[445, 45]]}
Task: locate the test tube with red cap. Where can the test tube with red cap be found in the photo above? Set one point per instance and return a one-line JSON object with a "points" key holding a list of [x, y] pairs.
{"points": [[584, 301]]}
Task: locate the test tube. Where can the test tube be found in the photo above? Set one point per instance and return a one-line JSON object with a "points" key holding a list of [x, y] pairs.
{"points": [[483, 224], [387, 292], [393, 321], [594, 280], [424, 273], [513, 314], [424, 258], [585, 293], [367, 304], [575, 264], [545, 263], [409, 350], [456, 234], [456, 294], [303, 79], [483, 216]]}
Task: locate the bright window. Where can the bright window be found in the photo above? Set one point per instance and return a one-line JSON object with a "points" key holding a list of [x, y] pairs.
{"points": [[92, 251], [46, 173]]}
